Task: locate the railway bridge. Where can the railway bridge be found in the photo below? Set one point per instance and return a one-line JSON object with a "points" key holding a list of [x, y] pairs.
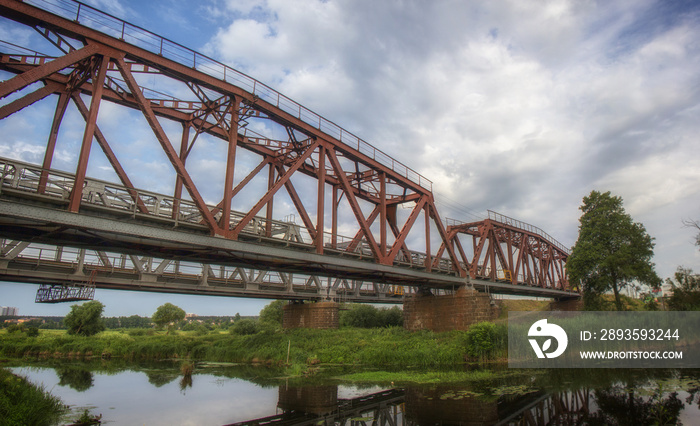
{"points": [[263, 197]]}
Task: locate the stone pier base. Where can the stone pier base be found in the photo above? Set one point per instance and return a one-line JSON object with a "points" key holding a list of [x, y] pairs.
{"points": [[444, 313], [310, 315]]}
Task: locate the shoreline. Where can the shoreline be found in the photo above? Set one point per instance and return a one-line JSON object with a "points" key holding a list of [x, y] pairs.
{"points": [[385, 347]]}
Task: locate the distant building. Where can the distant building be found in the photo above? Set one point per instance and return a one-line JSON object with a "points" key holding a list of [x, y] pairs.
{"points": [[9, 311], [23, 320], [191, 315]]}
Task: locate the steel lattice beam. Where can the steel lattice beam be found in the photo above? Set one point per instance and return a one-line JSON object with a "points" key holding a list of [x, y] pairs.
{"points": [[503, 249], [101, 58], [104, 68]]}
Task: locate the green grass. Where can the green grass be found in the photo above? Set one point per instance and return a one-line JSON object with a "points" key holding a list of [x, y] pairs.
{"points": [[23, 403], [354, 346]]}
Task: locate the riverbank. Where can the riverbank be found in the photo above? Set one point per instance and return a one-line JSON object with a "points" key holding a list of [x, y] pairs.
{"points": [[391, 347], [23, 403]]}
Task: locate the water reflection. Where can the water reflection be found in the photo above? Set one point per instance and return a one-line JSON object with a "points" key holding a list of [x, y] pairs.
{"points": [[616, 398], [160, 378], [245, 395], [320, 399], [76, 378], [320, 405], [621, 406], [442, 405]]}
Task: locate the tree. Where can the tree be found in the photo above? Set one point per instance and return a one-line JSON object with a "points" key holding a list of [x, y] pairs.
{"points": [[168, 314], [694, 224], [612, 251], [685, 289], [272, 313], [85, 319]]}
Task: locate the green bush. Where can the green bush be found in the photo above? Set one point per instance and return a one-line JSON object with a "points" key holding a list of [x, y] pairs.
{"points": [[244, 327], [15, 328], [485, 339], [141, 332], [391, 317], [368, 316], [363, 316], [201, 330]]}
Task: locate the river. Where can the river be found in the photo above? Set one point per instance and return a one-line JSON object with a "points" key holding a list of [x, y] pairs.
{"points": [[218, 394]]}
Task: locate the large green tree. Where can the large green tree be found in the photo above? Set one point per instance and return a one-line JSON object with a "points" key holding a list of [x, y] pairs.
{"points": [[612, 251], [85, 319], [168, 314]]}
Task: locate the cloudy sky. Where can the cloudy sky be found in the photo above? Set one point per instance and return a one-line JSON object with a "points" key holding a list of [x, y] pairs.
{"points": [[522, 107]]}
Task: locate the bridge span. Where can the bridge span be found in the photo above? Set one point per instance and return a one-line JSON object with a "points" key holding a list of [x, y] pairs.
{"points": [[58, 226], [113, 242]]}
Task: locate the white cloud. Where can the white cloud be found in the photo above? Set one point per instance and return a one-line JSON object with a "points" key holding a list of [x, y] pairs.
{"points": [[522, 106]]}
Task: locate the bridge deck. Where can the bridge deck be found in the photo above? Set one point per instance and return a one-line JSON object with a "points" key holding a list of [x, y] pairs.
{"points": [[117, 227]]}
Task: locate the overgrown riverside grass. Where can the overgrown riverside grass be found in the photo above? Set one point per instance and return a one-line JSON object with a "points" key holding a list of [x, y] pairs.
{"points": [[385, 347], [23, 403]]}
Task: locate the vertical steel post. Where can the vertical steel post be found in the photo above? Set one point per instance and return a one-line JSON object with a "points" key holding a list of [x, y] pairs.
{"points": [[97, 89], [382, 213], [321, 203], [53, 136], [270, 206], [177, 195], [334, 218], [225, 221], [428, 259]]}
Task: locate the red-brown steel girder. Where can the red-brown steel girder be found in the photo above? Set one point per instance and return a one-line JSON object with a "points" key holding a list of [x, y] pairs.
{"points": [[104, 68], [504, 252]]}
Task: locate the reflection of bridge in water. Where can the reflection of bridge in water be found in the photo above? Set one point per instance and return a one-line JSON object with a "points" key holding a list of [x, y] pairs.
{"points": [[320, 405]]}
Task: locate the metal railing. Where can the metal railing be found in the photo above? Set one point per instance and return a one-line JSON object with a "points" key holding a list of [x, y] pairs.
{"points": [[500, 218], [27, 178], [144, 39], [59, 185]]}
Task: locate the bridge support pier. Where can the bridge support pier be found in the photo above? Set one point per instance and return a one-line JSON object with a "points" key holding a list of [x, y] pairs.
{"points": [[425, 311], [311, 315]]}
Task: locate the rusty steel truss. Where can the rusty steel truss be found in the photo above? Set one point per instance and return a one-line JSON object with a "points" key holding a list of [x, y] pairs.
{"points": [[331, 178], [508, 250], [102, 57]]}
